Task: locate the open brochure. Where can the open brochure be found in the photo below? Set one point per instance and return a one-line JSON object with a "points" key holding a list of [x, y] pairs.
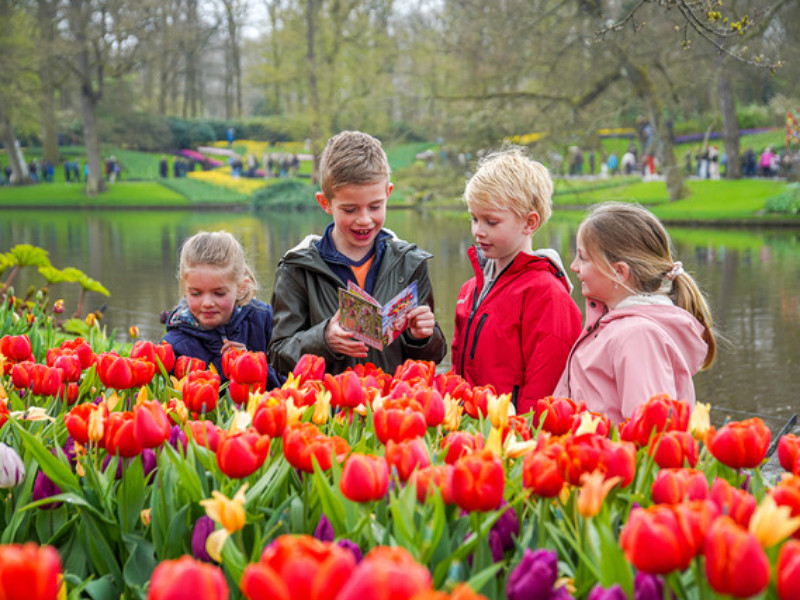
{"points": [[375, 325]]}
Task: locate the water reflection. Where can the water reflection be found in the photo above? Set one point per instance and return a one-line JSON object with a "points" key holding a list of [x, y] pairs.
{"points": [[752, 279]]}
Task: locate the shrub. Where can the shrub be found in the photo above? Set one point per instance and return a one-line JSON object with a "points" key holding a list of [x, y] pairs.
{"points": [[286, 194], [787, 202]]}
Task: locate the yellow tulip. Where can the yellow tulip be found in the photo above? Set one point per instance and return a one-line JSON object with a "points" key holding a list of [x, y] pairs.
{"points": [[588, 423], [771, 524], [700, 421], [452, 413], [322, 408], [499, 408], [227, 512], [96, 427], [293, 413]]}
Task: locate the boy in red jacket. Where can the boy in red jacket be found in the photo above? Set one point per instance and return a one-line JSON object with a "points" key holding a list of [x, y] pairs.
{"points": [[515, 320]]}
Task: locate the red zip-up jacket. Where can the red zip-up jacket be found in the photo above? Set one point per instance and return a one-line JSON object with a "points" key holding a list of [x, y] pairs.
{"points": [[519, 337]]}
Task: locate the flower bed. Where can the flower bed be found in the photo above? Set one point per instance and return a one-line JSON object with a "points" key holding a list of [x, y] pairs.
{"points": [[365, 485]]}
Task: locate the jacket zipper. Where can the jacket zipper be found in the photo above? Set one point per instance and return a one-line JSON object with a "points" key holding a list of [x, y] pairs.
{"points": [[469, 325], [589, 331], [477, 334]]}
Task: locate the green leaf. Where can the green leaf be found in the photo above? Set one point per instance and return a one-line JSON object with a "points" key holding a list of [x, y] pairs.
{"points": [[103, 556], [480, 579], [103, 589], [54, 275], [90, 285], [141, 560], [56, 470], [25, 255], [131, 494], [332, 504]]}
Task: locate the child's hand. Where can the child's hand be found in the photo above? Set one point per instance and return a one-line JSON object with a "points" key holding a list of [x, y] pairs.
{"points": [[421, 322], [341, 341], [231, 345]]}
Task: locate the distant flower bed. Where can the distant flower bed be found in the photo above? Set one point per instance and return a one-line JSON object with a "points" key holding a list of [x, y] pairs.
{"points": [[222, 177]]}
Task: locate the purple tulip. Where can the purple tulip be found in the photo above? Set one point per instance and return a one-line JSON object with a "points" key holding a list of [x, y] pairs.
{"points": [[647, 587], [163, 316], [69, 450], [149, 462], [561, 593], [324, 531], [533, 578], [495, 545], [507, 527], [613, 593], [43, 488], [353, 547], [203, 527], [178, 436]]}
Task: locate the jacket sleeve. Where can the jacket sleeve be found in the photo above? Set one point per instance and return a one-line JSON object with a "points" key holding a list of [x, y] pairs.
{"points": [[435, 347], [550, 327], [293, 335], [644, 365]]}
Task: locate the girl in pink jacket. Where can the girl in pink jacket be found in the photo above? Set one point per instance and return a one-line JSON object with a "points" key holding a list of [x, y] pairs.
{"points": [[647, 328]]}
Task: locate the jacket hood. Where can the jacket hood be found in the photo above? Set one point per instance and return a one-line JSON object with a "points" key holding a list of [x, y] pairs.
{"points": [[521, 261], [677, 323]]}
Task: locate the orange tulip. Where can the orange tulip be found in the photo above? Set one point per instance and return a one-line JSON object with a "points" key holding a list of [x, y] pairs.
{"points": [[479, 481], [386, 573], [787, 493], [120, 437], [589, 452], [540, 472], [77, 420], [735, 562], [740, 444], [303, 442], [270, 416], [731, 501], [29, 572], [172, 580], [205, 433], [150, 424], [398, 420], [364, 478], [434, 477]]}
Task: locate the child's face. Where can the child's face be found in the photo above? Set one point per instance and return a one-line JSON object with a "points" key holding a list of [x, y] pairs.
{"points": [[501, 233], [358, 213], [211, 295], [595, 280]]}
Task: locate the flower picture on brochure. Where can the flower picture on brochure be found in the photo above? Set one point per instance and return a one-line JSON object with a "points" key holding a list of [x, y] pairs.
{"points": [[375, 325]]}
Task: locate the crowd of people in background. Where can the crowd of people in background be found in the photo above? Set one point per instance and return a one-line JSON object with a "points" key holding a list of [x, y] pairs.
{"points": [[74, 170]]}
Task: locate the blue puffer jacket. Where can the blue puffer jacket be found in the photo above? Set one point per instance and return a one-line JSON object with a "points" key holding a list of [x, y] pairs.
{"points": [[250, 324]]}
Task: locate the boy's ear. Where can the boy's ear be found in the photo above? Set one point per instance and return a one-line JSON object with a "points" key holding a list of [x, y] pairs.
{"points": [[532, 222], [389, 188], [323, 202]]}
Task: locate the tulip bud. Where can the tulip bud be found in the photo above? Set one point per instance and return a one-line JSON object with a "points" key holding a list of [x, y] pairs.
{"points": [[58, 306], [145, 516], [91, 320], [12, 470], [133, 332]]}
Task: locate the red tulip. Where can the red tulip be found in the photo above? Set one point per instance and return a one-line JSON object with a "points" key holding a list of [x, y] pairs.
{"points": [[77, 420], [386, 573], [201, 391], [740, 444], [270, 416], [477, 404], [150, 424], [68, 392], [454, 385], [29, 572], [416, 371], [205, 433], [556, 415], [589, 452], [310, 367], [735, 562], [303, 442], [436, 476], [186, 577], [16, 349], [41, 380], [66, 361], [4, 414], [540, 472], [731, 501], [407, 456], [240, 392], [659, 414], [241, 453], [298, 567], [399, 420], [673, 449], [155, 354], [82, 349], [674, 485], [788, 571], [664, 537], [364, 478], [186, 364], [520, 427], [479, 481], [120, 436], [787, 493], [460, 443], [789, 453], [248, 367]]}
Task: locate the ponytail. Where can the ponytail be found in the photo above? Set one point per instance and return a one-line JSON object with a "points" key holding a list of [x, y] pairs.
{"points": [[688, 296]]}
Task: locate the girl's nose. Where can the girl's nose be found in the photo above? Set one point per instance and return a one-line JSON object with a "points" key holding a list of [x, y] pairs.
{"points": [[572, 265]]}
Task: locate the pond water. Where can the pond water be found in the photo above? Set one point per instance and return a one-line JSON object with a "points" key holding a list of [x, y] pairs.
{"points": [[752, 279]]}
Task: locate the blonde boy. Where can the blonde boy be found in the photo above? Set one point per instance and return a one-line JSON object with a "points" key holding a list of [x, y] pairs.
{"points": [[515, 320], [355, 186]]}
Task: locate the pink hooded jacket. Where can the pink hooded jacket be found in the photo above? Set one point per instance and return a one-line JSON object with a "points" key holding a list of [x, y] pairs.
{"points": [[627, 355]]}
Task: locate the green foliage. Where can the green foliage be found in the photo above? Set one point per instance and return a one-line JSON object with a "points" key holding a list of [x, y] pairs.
{"points": [[191, 133], [285, 194], [204, 193], [787, 202]]}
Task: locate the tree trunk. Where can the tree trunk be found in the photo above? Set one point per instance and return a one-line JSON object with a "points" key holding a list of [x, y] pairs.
{"points": [[95, 181], [313, 85], [19, 170], [47, 34], [730, 125]]}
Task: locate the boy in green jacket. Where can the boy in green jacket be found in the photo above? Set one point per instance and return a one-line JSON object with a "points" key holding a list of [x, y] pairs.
{"points": [[354, 177]]}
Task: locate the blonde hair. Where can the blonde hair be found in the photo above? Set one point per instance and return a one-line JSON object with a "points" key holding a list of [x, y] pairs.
{"points": [[221, 250], [510, 180], [616, 232], [352, 158]]}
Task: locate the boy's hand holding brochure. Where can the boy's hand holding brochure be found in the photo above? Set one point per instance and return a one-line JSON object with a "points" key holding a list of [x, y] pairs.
{"points": [[376, 325]]}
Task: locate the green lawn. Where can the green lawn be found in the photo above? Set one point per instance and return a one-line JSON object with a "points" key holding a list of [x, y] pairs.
{"points": [[125, 194]]}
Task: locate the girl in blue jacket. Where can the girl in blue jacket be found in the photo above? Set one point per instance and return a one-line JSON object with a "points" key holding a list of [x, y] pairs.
{"points": [[219, 310]]}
